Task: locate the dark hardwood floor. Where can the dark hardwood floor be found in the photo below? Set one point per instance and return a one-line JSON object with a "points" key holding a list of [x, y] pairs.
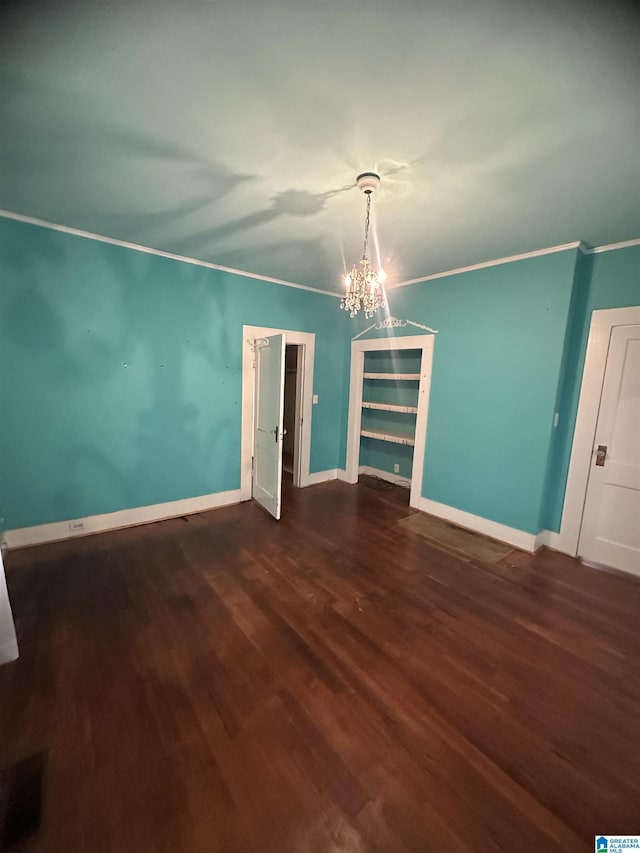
{"points": [[328, 684]]}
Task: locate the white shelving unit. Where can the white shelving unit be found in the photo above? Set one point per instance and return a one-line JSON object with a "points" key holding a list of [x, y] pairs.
{"points": [[399, 377], [395, 438], [387, 433], [391, 407], [377, 430]]}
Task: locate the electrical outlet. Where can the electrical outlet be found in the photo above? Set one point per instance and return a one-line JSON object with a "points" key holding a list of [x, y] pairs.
{"points": [[396, 468], [76, 525]]}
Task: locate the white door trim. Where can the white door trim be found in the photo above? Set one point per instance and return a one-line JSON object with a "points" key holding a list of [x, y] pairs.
{"points": [[358, 349], [602, 322], [308, 341], [298, 417]]}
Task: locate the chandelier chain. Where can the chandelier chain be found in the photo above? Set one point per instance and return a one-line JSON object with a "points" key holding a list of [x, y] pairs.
{"points": [[365, 247]]}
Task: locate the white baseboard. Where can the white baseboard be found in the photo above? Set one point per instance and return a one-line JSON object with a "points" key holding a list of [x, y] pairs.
{"points": [[558, 542], [542, 539], [8, 652], [325, 476], [510, 535], [554, 541], [321, 477], [396, 479], [41, 533]]}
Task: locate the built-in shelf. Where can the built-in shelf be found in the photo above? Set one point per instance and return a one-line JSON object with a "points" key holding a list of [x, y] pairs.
{"points": [[414, 377], [381, 435], [390, 407]]}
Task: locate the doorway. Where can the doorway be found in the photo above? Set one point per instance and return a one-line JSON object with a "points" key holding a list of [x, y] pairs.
{"points": [[610, 533], [296, 404], [602, 496], [293, 371]]}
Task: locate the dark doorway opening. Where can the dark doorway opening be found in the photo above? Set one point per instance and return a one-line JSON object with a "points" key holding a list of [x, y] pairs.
{"points": [[292, 411]]}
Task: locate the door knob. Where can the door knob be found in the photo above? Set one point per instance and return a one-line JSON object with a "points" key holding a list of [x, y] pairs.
{"points": [[279, 434], [601, 455]]}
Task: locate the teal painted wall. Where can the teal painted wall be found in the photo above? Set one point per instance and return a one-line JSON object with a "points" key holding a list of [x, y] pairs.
{"points": [[497, 367], [615, 280], [605, 280], [120, 375], [384, 455], [562, 436]]}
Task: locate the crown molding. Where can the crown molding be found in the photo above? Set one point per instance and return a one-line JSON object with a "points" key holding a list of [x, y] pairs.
{"points": [[626, 244], [148, 250], [577, 244], [580, 245]]}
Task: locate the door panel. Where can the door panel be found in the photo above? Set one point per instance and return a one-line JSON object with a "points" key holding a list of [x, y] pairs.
{"points": [[610, 531], [268, 417]]}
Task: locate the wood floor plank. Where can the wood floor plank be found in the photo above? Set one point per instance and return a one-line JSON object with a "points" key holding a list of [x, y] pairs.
{"points": [[223, 682]]}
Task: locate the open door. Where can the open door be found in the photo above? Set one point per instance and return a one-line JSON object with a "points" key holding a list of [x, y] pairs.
{"points": [[268, 423]]}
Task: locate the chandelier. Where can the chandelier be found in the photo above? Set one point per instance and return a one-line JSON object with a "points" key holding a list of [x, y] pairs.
{"points": [[365, 284]]}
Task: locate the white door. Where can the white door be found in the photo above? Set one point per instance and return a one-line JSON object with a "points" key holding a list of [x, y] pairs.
{"points": [[610, 532], [8, 644], [269, 411]]}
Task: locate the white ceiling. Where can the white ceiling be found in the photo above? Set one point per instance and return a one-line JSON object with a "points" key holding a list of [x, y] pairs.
{"points": [[233, 132]]}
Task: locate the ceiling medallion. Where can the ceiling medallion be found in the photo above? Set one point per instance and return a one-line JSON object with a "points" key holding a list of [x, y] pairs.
{"points": [[364, 284]]}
